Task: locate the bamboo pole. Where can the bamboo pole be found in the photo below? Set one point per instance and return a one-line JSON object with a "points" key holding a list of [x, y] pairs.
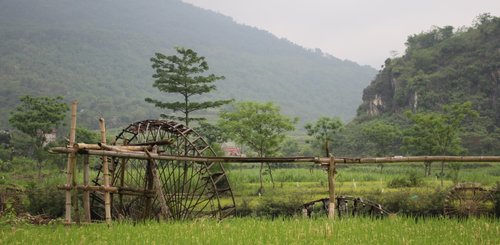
{"points": [[331, 187], [70, 164], [107, 197], [86, 194], [76, 206], [319, 160]]}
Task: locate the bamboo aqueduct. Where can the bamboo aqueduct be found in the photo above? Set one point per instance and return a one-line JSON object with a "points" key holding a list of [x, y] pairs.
{"points": [[162, 169]]}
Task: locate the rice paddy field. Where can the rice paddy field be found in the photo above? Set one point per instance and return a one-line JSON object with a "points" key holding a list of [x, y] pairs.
{"points": [[392, 230], [296, 185]]}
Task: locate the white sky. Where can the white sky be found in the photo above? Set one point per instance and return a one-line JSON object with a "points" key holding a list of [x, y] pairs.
{"points": [[363, 31]]}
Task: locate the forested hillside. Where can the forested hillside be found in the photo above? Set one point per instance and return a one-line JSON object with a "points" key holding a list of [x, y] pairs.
{"points": [[98, 53], [441, 67]]}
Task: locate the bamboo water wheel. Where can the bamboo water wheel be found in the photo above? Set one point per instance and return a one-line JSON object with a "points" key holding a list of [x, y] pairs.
{"points": [[347, 206], [468, 199], [171, 189]]}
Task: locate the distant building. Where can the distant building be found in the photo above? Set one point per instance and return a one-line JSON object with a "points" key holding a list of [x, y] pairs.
{"points": [[50, 137], [231, 150]]}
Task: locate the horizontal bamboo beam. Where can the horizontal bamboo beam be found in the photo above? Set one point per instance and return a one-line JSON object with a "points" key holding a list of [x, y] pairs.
{"points": [[419, 159], [143, 155], [89, 188], [319, 160], [101, 146]]}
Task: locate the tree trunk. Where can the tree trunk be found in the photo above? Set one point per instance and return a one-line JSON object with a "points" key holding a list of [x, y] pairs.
{"points": [[270, 174], [442, 173], [261, 188], [427, 168]]}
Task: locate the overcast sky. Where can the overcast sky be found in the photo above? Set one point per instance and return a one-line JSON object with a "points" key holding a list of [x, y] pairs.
{"points": [[364, 31]]}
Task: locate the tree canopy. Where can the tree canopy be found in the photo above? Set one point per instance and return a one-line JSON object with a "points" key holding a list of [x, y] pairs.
{"points": [[184, 75], [260, 126], [36, 116], [434, 133], [324, 131]]}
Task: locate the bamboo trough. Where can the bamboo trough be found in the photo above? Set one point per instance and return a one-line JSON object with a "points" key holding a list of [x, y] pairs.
{"points": [[148, 152]]}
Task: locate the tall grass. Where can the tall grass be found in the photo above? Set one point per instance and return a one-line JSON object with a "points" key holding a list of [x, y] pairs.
{"points": [[265, 231]]}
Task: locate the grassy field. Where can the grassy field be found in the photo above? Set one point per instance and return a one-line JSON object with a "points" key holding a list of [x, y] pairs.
{"points": [[394, 230], [305, 184]]}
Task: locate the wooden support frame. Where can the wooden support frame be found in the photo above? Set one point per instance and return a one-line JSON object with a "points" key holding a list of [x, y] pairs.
{"points": [[147, 151]]}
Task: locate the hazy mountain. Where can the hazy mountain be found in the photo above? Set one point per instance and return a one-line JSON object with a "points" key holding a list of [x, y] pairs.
{"points": [[98, 52]]}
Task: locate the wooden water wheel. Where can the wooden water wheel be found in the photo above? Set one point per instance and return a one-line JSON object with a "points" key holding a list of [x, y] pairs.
{"points": [[187, 189], [468, 199], [347, 206]]}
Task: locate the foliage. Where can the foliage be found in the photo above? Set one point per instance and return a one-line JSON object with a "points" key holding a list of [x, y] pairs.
{"points": [[99, 55], [324, 130], [260, 126], [412, 180], [45, 198], [435, 133], [211, 133], [280, 206], [183, 75], [443, 67], [37, 116], [383, 137]]}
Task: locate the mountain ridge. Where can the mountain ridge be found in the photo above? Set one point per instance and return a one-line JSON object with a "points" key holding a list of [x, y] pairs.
{"points": [[98, 53]]}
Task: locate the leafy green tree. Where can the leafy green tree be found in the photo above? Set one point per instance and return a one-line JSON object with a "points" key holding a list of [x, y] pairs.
{"points": [[433, 133], [382, 136], [183, 75], [260, 126], [37, 116], [324, 131]]}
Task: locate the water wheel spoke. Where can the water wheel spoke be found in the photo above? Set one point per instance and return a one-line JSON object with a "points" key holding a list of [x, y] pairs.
{"points": [[189, 189]]}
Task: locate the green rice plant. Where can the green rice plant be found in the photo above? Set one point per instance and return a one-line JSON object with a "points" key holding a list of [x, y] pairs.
{"points": [[393, 230]]}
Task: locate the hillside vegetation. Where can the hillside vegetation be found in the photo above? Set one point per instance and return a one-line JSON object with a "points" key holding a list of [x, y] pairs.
{"points": [[441, 67], [98, 53]]}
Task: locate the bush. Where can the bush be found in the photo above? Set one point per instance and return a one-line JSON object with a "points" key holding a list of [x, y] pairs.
{"points": [[45, 198], [274, 207], [411, 203], [5, 166], [412, 180], [4, 154]]}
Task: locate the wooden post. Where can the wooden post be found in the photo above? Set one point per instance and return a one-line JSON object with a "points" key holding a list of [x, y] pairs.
{"points": [[331, 187], [86, 194], [70, 164], [165, 213], [107, 198], [75, 192]]}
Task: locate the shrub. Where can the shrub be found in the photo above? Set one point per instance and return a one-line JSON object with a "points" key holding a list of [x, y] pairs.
{"points": [[45, 198], [274, 207], [412, 180], [412, 203], [5, 166]]}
